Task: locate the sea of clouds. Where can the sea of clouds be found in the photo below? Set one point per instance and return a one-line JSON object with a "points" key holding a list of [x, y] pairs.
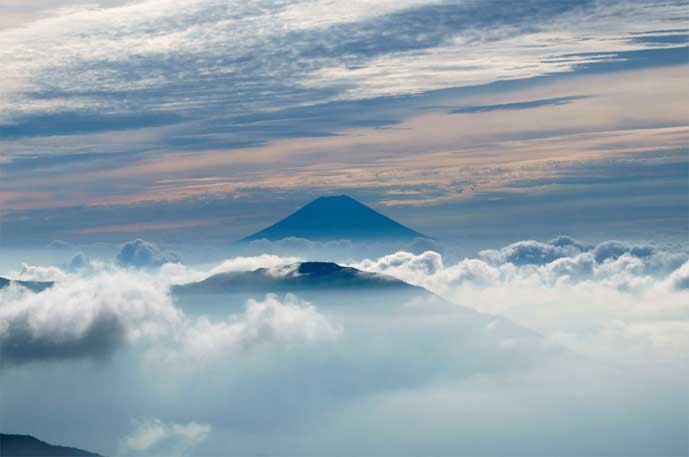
{"points": [[557, 348], [634, 295]]}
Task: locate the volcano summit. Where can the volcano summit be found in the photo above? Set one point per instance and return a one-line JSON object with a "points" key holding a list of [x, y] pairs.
{"points": [[336, 217]]}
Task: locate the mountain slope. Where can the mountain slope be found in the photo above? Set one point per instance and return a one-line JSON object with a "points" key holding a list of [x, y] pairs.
{"points": [[337, 217], [323, 283], [345, 291], [304, 276], [28, 446]]}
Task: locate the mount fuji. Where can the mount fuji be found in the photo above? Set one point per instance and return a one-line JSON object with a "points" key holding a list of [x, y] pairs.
{"points": [[336, 217]]}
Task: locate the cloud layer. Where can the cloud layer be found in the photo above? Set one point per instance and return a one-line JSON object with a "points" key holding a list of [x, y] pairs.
{"points": [[314, 377], [82, 317], [241, 74], [576, 293], [157, 50], [140, 253]]}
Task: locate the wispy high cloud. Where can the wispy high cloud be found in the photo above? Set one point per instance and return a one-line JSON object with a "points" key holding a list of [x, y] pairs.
{"points": [[155, 62], [157, 103]]}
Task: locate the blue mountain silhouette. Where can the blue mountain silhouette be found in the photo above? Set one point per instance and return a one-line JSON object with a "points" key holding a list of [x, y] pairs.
{"points": [[34, 286], [28, 446], [336, 217], [302, 276]]}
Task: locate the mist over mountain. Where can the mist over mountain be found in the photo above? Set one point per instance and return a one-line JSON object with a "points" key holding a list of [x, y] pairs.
{"points": [[325, 283], [294, 277], [336, 218], [355, 344]]}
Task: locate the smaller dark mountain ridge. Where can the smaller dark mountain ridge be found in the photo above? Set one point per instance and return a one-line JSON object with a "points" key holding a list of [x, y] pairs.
{"points": [[333, 218], [294, 277], [34, 286], [28, 446]]}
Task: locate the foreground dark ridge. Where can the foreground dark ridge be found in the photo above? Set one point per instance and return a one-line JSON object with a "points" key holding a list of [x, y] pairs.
{"points": [[295, 277], [337, 217], [28, 446]]}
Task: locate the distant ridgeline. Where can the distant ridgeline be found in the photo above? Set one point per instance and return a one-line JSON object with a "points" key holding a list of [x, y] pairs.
{"points": [[34, 286], [28, 446], [336, 218], [302, 276]]}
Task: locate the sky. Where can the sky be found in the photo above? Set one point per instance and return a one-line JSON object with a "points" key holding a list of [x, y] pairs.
{"points": [[212, 119]]}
